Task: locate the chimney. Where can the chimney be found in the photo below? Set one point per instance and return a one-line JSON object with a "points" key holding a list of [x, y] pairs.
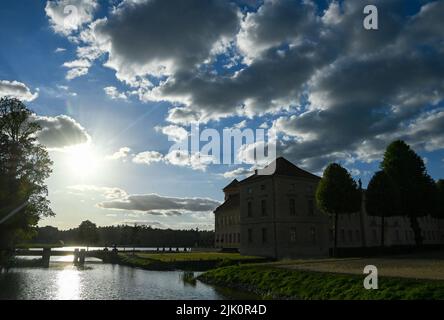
{"points": [[255, 171]]}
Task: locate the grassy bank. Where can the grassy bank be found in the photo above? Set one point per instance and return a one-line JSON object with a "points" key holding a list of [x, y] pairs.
{"points": [[277, 283], [193, 261]]}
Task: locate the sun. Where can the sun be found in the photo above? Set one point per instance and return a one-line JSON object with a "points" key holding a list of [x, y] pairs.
{"points": [[82, 161]]}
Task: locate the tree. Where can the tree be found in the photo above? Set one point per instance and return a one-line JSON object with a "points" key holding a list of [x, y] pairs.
{"points": [[88, 233], [24, 167], [413, 184], [381, 199], [337, 193]]}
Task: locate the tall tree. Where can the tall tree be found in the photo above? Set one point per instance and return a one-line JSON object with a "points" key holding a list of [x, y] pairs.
{"points": [[88, 233], [24, 167], [381, 199], [337, 193], [413, 184]]}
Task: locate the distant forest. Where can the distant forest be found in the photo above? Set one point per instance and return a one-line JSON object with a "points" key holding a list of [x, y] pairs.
{"points": [[124, 235]]}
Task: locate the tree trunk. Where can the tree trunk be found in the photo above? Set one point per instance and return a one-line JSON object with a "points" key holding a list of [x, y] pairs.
{"points": [[382, 231], [416, 230], [335, 245]]}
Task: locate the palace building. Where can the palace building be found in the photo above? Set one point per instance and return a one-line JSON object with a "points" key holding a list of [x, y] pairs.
{"points": [[273, 213]]}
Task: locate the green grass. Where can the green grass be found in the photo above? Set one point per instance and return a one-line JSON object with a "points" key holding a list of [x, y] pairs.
{"points": [[38, 245], [193, 261], [194, 256], [276, 283]]}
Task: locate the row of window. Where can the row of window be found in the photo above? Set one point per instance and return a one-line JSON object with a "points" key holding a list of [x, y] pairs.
{"points": [[349, 236], [227, 220], [291, 207], [228, 238], [293, 235]]}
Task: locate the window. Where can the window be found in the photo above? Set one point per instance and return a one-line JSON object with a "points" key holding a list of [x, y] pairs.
{"points": [[350, 236], [397, 235], [250, 235], [342, 235], [238, 238], [262, 187], [313, 234], [293, 234], [358, 236], [375, 235], [292, 207], [250, 209], [264, 207], [406, 235], [250, 191], [264, 235], [331, 235], [310, 207]]}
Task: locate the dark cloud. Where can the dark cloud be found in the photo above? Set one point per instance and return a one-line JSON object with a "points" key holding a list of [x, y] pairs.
{"points": [[160, 205], [159, 36], [60, 132]]}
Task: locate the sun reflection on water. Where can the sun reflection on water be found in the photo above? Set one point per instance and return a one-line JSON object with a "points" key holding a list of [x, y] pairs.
{"points": [[68, 284]]}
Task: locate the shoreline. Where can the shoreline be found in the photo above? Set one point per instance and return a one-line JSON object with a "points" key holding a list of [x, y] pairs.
{"points": [[277, 283]]}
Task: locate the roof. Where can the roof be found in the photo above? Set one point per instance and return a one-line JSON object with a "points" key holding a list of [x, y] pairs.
{"points": [[233, 201], [232, 184], [281, 167]]}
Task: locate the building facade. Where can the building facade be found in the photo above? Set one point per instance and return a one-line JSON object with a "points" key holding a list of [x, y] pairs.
{"points": [[274, 214]]}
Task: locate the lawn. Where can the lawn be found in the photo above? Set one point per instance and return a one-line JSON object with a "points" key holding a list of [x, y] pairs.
{"points": [[194, 256], [418, 266], [193, 261]]}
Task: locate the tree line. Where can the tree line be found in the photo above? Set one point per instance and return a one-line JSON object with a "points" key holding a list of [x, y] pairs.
{"points": [[402, 187], [88, 234]]}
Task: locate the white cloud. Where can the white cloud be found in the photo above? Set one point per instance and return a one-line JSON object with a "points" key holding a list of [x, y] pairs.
{"points": [[68, 16], [122, 153], [237, 173], [114, 94], [15, 89], [174, 133], [59, 50], [148, 157]]}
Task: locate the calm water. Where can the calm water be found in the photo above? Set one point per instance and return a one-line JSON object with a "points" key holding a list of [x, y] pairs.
{"points": [[102, 281]]}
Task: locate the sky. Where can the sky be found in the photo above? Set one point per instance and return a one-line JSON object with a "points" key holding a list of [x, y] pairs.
{"points": [[115, 84]]}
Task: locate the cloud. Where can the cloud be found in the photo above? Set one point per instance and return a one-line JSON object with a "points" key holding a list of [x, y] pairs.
{"points": [[114, 94], [332, 89], [59, 50], [237, 173], [68, 16], [174, 133], [183, 158], [148, 157], [189, 32], [154, 203], [15, 89], [60, 132], [108, 192], [122, 153]]}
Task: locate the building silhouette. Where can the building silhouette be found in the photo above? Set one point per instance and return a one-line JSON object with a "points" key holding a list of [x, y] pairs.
{"points": [[275, 215]]}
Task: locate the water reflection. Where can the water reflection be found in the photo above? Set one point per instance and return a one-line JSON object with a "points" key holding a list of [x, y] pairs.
{"points": [[103, 282], [68, 284]]}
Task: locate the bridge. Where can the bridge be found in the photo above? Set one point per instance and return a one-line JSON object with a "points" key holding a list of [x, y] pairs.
{"points": [[79, 255]]}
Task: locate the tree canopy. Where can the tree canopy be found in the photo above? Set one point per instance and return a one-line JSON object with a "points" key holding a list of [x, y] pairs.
{"points": [[337, 193], [24, 167], [415, 187]]}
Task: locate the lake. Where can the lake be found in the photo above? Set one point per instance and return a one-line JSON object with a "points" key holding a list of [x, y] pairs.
{"points": [[63, 281]]}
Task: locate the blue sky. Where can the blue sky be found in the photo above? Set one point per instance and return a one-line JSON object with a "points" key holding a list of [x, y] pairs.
{"points": [[126, 75]]}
